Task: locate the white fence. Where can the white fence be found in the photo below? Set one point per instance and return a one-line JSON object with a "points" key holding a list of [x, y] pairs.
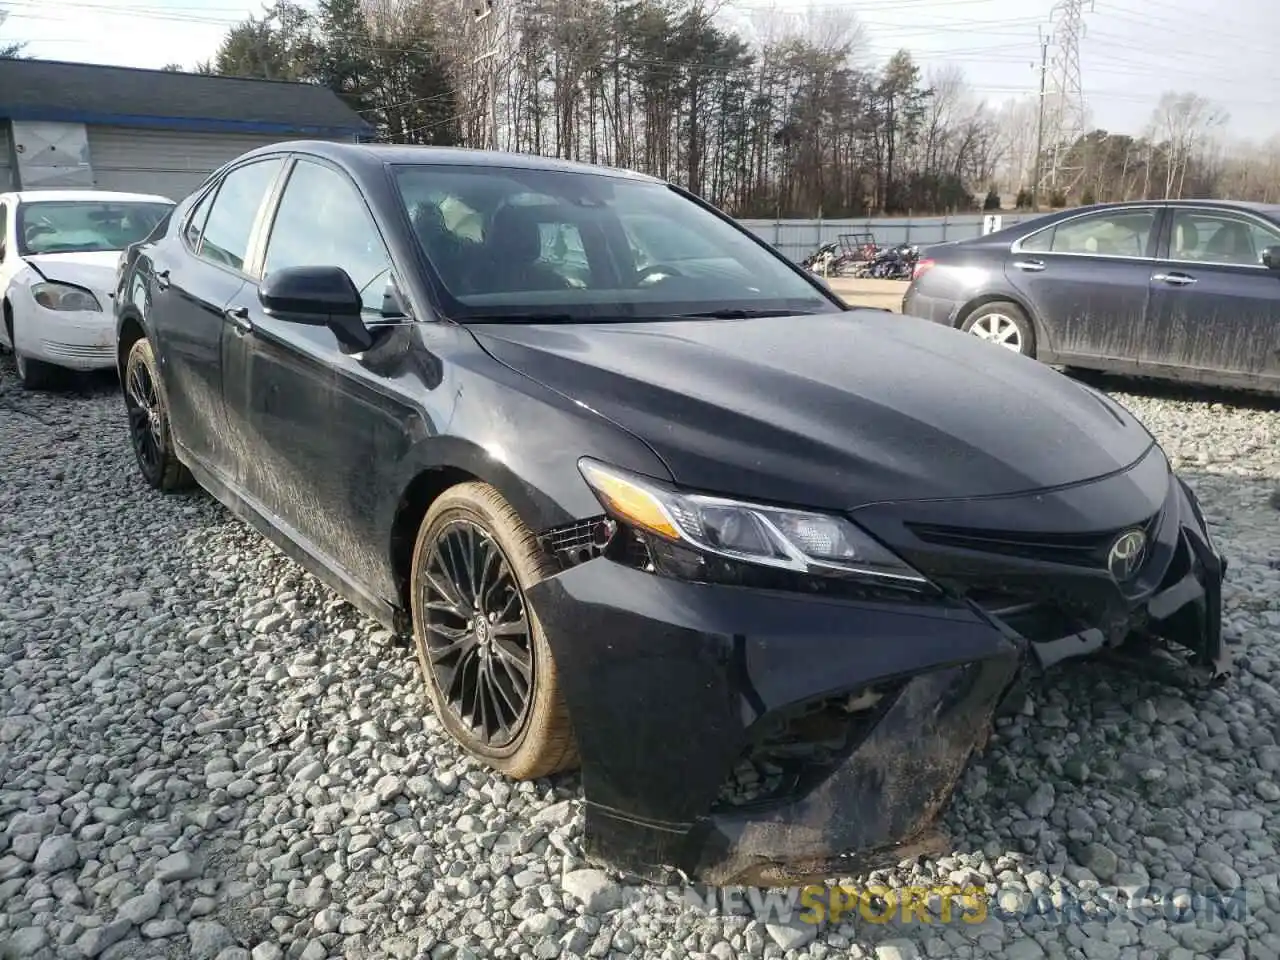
{"points": [[798, 238]]}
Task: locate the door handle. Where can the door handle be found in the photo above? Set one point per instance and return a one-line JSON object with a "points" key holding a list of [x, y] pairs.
{"points": [[162, 279], [1175, 279], [1029, 266], [239, 317]]}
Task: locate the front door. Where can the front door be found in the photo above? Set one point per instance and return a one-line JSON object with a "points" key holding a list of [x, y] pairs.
{"points": [[316, 418], [1086, 279], [1215, 307], [193, 280]]}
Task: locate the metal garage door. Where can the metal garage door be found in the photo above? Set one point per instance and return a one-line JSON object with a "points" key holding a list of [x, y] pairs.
{"points": [[168, 162], [6, 179]]}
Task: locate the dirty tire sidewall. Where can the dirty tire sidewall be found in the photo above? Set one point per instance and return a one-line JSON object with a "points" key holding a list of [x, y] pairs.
{"points": [[170, 474], [1026, 331], [546, 744]]}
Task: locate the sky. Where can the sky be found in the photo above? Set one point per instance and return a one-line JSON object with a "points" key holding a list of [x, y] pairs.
{"points": [[1132, 50]]}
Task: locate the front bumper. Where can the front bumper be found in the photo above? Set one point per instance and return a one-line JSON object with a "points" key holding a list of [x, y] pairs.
{"points": [[714, 726], [77, 340]]}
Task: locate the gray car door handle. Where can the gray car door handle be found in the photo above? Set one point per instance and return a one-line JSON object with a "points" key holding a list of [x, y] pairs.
{"points": [[1030, 266], [1175, 279]]}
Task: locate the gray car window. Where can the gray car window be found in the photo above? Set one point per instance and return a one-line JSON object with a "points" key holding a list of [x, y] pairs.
{"points": [[323, 222], [1201, 236], [235, 208], [1115, 233], [4, 229]]}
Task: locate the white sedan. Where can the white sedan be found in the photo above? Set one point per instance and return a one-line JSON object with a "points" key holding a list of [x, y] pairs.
{"points": [[58, 255]]}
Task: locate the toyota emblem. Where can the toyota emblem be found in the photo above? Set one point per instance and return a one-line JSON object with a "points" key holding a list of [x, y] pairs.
{"points": [[1127, 554]]}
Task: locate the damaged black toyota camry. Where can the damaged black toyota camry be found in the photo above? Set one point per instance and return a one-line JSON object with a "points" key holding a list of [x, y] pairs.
{"points": [[650, 500]]}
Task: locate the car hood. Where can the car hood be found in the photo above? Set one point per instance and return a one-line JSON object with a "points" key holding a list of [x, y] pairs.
{"points": [[831, 411], [95, 270]]}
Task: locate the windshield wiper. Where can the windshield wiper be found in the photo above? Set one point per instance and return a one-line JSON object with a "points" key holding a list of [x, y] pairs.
{"points": [[738, 314], [530, 317]]}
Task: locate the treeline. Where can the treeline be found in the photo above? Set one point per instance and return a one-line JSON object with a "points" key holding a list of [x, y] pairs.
{"points": [[792, 122]]}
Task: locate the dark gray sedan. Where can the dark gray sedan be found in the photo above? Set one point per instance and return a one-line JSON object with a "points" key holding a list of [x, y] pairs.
{"points": [[1176, 289]]}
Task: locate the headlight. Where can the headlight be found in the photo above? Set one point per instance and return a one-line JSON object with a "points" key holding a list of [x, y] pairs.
{"points": [[817, 544], [63, 296]]}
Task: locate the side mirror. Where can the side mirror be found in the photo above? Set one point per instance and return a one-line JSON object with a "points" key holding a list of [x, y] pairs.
{"points": [[317, 297], [1271, 258]]}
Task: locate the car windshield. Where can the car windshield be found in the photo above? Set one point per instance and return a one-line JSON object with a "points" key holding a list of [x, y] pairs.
{"points": [[84, 226], [508, 243]]}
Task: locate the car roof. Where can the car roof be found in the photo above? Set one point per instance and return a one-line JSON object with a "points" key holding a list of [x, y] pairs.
{"points": [[380, 154], [31, 196], [1270, 209]]}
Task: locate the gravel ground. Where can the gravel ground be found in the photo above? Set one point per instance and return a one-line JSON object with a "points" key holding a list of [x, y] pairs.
{"points": [[204, 753]]}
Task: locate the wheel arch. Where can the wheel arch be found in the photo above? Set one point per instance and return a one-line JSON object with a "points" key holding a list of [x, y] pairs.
{"points": [[994, 296], [129, 330], [454, 461]]}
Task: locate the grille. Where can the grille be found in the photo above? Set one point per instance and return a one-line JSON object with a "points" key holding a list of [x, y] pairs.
{"points": [[73, 351], [1079, 550]]}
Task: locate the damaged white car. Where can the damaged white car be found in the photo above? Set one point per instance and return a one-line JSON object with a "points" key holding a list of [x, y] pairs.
{"points": [[58, 255]]}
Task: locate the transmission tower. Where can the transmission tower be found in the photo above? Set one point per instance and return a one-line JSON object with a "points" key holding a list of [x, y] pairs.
{"points": [[1067, 118]]}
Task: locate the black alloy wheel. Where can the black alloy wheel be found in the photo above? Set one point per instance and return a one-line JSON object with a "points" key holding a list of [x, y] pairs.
{"points": [[149, 429], [486, 663], [479, 643]]}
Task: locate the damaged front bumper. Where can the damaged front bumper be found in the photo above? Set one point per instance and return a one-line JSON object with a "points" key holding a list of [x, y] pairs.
{"points": [[735, 736]]}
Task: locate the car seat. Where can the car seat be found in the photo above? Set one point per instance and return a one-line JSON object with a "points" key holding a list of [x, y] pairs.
{"points": [[1186, 240], [513, 249], [1231, 244]]}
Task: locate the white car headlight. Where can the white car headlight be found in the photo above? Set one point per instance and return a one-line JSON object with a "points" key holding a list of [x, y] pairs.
{"points": [[63, 296], [806, 542]]}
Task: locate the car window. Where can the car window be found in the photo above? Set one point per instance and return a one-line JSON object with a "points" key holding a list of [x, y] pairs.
{"points": [[514, 241], [1116, 233], [1209, 237], [322, 221], [4, 229], [649, 234], [195, 223], [235, 208], [85, 226]]}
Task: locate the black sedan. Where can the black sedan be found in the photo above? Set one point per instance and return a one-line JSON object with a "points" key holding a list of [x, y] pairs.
{"points": [[648, 498], [1176, 289]]}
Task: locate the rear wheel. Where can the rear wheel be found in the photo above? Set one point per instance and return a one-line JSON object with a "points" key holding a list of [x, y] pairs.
{"points": [[485, 660], [1004, 324], [149, 429]]}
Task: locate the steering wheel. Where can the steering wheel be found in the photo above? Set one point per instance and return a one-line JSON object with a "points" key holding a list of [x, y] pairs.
{"points": [[658, 272]]}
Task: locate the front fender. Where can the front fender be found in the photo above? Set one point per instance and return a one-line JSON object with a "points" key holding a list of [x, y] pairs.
{"points": [[513, 433]]}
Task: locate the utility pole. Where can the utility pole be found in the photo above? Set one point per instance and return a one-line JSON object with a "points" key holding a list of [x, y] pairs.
{"points": [[482, 14], [1044, 69]]}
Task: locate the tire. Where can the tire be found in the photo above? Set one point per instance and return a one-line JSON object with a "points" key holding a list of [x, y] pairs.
{"points": [[148, 409], [536, 741], [1004, 320], [35, 374], [32, 374]]}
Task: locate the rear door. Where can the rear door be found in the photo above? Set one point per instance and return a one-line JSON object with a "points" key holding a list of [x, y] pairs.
{"points": [[1087, 280], [1215, 307], [193, 279]]}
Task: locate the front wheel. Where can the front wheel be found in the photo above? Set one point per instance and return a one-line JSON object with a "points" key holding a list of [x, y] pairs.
{"points": [[485, 660], [149, 429], [1004, 324], [35, 374]]}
